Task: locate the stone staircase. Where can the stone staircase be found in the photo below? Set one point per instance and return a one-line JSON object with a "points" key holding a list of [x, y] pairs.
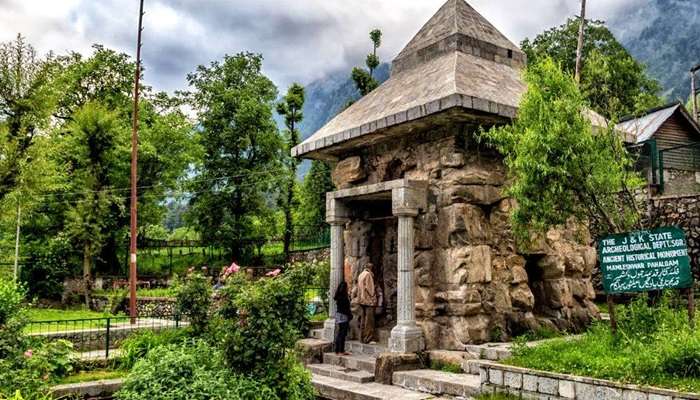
{"points": [[351, 377]]}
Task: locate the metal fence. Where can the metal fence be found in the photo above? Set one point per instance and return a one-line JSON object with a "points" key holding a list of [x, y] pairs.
{"points": [[96, 338]]}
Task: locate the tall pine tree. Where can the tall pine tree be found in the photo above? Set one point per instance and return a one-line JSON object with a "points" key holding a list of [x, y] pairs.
{"points": [[291, 109]]}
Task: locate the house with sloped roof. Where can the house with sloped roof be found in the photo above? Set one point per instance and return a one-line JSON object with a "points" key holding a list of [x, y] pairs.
{"points": [[421, 202], [667, 142]]}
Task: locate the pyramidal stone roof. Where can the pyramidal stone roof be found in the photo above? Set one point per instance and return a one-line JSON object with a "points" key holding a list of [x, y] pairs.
{"points": [[457, 60]]}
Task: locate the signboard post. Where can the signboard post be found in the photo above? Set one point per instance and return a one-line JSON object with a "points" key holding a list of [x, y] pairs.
{"points": [[642, 261]]}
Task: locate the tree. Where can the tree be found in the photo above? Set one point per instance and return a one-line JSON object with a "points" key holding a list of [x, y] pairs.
{"points": [[561, 167], [291, 108], [318, 182], [95, 151], [242, 148], [27, 98], [612, 81], [364, 79]]}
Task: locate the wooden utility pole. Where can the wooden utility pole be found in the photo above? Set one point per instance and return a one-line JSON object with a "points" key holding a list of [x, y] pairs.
{"points": [[579, 49], [134, 174]]}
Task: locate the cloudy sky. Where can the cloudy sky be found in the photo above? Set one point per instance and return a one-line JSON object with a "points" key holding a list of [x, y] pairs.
{"points": [[301, 40]]}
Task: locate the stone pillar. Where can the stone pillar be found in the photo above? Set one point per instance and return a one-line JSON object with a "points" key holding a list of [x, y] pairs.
{"points": [[406, 337], [337, 217]]}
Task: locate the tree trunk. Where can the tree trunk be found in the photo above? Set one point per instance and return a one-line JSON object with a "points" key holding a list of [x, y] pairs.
{"points": [[288, 222], [87, 273], [579, 49]]}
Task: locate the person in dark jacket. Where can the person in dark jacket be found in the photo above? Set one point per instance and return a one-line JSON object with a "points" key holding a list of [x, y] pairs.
{"points": [[343, 316]]}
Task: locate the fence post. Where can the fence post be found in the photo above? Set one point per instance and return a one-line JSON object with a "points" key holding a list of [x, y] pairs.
{"points": [[109, 320], [661, 172], [177, 320]]}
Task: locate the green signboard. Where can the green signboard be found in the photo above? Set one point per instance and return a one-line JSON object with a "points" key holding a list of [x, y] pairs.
{"points": [[645, 260]]}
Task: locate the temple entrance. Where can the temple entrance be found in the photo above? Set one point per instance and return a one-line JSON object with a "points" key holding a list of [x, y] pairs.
{"points": [[371, 238], [374, 224]]}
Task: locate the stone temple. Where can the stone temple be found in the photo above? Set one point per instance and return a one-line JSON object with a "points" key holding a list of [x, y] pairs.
{"points": [[423, 201]]}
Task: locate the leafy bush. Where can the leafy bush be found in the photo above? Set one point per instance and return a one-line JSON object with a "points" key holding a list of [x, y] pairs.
{"points": [[653, 346], [138, 346], [194, 299], [260, 322], [12, 319], [194, 371], [48, 266]]}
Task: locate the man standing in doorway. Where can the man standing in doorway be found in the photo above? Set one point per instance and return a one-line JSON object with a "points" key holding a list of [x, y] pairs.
{"points": [[367, 299]]}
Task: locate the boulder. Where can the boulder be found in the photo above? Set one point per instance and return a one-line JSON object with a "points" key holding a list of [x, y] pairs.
{"points": [[553, 266], [519, 274], [522, 297], [475, 194], [388, 363], [475, 174], [462, 224], [348, 171], [470, 264], [461, 310], [557, 293]]}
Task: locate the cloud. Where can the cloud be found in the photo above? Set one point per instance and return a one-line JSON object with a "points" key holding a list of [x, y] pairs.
{"points": [[301, 40]]}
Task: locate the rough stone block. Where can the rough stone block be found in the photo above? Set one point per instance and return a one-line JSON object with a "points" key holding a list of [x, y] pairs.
{"points": [[513, 380], [566, 389], [547, 385], [496, 376], [347, 171], [585, 391], [529, 383], [653, 396], [388, 363], [634, 395]]}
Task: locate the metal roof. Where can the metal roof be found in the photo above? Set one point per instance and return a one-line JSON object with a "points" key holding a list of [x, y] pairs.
{"points": [[643, 128]]}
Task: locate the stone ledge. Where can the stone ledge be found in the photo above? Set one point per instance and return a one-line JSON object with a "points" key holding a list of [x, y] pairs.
{"points": [[534, 384], [96, 388]]}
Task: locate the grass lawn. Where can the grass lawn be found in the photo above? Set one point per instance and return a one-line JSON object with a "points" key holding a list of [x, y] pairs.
{"points": [[54, 314], [496, 396], [654, 346], [95, 375]]}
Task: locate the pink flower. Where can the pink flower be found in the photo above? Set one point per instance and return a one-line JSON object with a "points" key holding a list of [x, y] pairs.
{"points": [[231, 270], [29, 353], [274, 273]]}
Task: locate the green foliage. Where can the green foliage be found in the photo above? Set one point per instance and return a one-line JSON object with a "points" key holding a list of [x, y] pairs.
{"points": [[51, 265], [612, 81], [194, 300], [192, 371], [655, 345], [240, 168], [27, 97], [260, 322], [317, 182], [364, 79], [137, 346], [562, 167], [291, 108]]}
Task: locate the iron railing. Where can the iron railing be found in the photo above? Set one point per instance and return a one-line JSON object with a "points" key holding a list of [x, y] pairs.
{"points": [[94, 338]]}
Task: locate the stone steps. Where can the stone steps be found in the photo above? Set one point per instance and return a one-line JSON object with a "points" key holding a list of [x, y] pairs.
{"points": [[340, 372], [438, 382], [361, 362], [338, 389], [362, 348], [316, 334]]}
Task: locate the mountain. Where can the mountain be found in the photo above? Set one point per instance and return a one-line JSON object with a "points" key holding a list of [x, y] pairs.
{"points": [[665, 35], [325, 98]]}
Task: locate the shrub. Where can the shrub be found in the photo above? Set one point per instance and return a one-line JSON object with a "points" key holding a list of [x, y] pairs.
{"points": [[653, 346], [138, 346], [194, 371], [194, 299], [12, 319], [260, 322]]}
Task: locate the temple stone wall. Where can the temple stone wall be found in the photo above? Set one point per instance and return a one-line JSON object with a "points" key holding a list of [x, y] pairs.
{"points": [[472, 282], [684, 212]]}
